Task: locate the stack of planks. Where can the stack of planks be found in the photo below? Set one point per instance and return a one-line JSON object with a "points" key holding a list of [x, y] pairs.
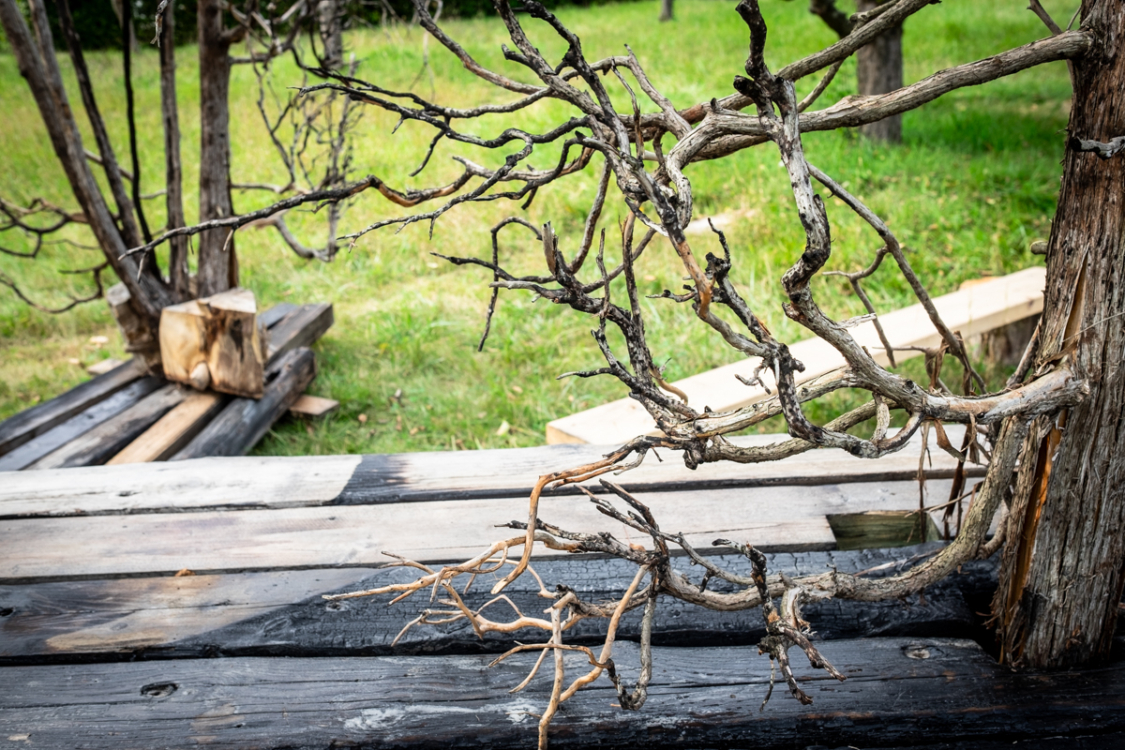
{"points": [[124, 416], [177, 604]]}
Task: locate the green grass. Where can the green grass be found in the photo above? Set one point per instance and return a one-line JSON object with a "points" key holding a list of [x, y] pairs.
{"points": [[974, 182]]}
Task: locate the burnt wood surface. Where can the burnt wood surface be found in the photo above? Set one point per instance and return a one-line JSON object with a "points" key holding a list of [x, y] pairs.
{"points": [[103, 442], [244, 421], [282, 613], [899, 691], [299, 328], [30, 423], [78, 425]]}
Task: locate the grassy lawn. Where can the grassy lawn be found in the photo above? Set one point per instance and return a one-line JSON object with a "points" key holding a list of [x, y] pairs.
{"points": [[973, 184]]}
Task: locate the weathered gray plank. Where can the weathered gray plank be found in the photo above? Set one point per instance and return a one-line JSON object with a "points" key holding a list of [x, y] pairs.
{"points": [[772, 518], [30, 423], [244, 421], [283, 613], [101, 443], [346, 480], [898, 692], [275, 314], [299, 328], [78, 425]]}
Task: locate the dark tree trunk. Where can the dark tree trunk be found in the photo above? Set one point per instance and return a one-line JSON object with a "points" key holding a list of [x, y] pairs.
{"points": [[1062, 573], [218, 264], [879, 71], [173, 170], [666, 10]]}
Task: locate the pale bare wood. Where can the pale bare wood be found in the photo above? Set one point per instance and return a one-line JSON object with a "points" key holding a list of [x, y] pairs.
{"points": [[106, 365], [283, 482], [971, 310], [313, 407], [215, 342], [172, 431], [772, 518]]}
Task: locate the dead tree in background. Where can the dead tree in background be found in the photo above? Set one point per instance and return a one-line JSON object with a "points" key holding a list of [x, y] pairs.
{"points": [[1064, 531], [116, 216], [878, 64]]}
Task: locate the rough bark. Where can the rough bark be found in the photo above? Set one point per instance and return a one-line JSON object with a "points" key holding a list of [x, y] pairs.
{"points": [[218, 264], [173, 170], [879, 71], [1061, 577]]}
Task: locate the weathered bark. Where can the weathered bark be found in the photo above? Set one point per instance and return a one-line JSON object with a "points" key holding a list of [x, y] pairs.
{"points": [[218, 264], [329, 28], [173, 170], [1062, 574], [879, 71], [666, 10]]}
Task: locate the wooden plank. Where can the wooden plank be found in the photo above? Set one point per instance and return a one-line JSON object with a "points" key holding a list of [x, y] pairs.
{"points": [[78, 425], [30, 423], [99, 444], [898, 690], [313, 407], [283, 612], [274, 315], [277, 482], [971, 310], [773, 518], [244, 421], [172, 431], [299, 329], [104, 366]]}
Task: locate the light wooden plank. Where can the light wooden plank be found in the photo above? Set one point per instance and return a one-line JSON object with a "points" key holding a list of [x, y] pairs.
{"points": [[78, 425], [172, 431], [772, 518], [283, 612], [898, 690], [971, 310], [282, 482], [101, 443], [313, 407], [30, 423]]}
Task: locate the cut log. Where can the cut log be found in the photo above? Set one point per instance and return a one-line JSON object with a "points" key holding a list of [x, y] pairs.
{"points": [[313, 407], [244, 421], [970, 311], [897, 691], [284, 613], [299, 328], [173, 431], [771, 518], [78, 425], [30, 423], [294, 481], [215, 342], [98, 445]]}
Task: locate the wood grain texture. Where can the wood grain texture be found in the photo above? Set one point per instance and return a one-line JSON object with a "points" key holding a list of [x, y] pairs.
{"points": [[30, 423], [771, 518], [299, 328], [354, 480], [172, 431], [282, 613], [898, 690], [100, 444], [971, 310], [78, 425], [244, 421]]}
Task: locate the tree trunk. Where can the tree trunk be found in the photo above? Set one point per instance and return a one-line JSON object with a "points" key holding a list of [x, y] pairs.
{"points": [[1062, 573], [666, 10], [173, 171], [328, 23], [879, 71], [218, 264]]}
